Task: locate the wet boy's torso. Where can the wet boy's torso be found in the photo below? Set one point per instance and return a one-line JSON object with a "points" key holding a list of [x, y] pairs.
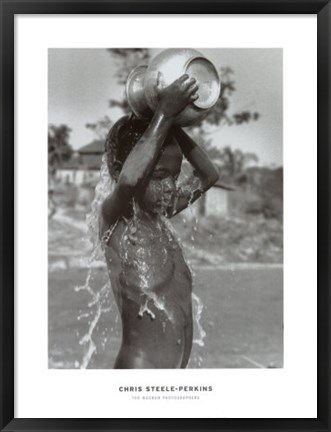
{"points": [[152, 285]]}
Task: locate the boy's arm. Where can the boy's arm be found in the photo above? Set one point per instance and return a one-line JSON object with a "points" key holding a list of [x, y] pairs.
{"points": [[142, 159], [205, 171]]}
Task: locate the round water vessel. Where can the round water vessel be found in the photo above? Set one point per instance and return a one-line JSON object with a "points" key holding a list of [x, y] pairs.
{"points": [[173, 63]]}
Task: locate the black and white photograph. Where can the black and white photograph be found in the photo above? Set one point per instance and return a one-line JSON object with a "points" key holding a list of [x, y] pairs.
{"points": [[165, 208]]}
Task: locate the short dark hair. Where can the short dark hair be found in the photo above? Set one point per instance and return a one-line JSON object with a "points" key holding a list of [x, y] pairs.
{"points": [[121, 139]]}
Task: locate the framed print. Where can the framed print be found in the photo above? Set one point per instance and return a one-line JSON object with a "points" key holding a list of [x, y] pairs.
{"points": [[159, 261]]}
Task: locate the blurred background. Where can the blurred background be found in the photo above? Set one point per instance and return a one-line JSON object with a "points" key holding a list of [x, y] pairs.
{"points": [[233, 238]]}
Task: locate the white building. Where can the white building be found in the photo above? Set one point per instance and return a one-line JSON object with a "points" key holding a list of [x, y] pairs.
{"points": [[84, 166]]}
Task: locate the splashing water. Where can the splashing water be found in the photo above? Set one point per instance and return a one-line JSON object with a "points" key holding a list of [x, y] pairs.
{"points": [[99, 297], [145, 309], [194, 218], [197, 312], [104, 188], [196, 301]]}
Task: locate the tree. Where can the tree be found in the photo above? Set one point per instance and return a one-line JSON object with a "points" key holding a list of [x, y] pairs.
{"points": [[101, 127], [219, 114], [230, 163], [233, 162], [59, 149], [127, 59]]}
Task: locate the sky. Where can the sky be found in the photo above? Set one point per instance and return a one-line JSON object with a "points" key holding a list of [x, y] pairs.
{"points": [[81, 82]]}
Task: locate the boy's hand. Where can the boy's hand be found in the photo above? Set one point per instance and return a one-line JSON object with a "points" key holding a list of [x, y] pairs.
{"points": [[174, 98]]}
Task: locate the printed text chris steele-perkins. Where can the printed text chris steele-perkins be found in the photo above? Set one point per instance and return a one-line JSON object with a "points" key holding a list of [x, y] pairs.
{"points": [[165, 388]]}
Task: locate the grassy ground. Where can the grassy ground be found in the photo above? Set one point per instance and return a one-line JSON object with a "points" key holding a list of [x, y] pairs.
{"points": [[230, 239], [242, 318]]}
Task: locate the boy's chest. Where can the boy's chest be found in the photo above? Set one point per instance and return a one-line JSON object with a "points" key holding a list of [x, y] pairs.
{"points": [[150, 256]]}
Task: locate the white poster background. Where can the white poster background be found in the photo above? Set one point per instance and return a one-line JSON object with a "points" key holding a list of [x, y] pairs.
{"points": [[287, 392]]}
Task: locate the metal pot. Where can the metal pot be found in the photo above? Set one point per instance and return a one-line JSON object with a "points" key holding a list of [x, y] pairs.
{"points": [[135, 93], [172, 63]]}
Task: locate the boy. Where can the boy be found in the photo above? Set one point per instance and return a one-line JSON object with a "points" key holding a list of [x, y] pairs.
{"points": [[149, 275]]}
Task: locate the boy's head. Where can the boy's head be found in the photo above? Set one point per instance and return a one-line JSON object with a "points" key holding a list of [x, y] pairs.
{"points": [[121, 139], [159, 191]]}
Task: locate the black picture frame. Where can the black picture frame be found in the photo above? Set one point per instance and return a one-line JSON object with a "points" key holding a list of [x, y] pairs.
{"points": [[9, 9]]}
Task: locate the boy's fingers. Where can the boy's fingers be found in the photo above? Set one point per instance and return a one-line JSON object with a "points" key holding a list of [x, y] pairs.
{"points": [[192, 88], [183, 78], [189, 82], [194, 96], [159, 80]]}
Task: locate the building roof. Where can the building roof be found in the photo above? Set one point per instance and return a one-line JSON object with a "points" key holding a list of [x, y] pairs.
{"points": [[96, 147]]}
